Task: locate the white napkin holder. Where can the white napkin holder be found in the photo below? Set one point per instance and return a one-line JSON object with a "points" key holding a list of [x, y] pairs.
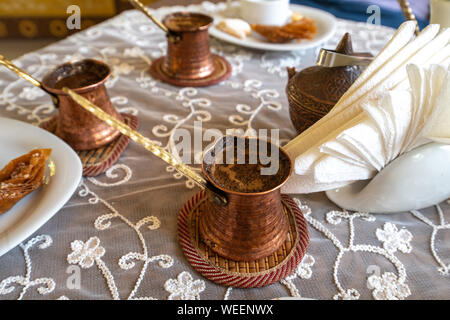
{"points": [[417, 179]]}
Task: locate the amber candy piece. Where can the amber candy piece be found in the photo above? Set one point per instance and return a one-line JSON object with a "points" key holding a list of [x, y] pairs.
{"points": [[22, 176], [299, 29]]}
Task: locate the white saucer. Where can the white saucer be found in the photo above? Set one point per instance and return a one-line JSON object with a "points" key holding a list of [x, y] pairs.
{"points": [[18, 138], [326, 26]]}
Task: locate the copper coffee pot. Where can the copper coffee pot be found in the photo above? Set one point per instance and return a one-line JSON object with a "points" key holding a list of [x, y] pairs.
{"points": [[252, 225], [188, 53], [79, 128], [313, 92], [189, 61], [237, 225]]}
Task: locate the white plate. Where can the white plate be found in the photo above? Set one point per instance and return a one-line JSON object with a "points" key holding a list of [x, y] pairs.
{"points": [[18, 138], [325, 22]]}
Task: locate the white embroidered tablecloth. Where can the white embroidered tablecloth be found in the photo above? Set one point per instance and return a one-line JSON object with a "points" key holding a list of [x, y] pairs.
{"points": [[117, 236]]}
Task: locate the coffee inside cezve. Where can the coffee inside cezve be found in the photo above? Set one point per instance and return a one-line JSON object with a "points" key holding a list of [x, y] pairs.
{"points": [[185, 22], [247, 177], [78, 80]]}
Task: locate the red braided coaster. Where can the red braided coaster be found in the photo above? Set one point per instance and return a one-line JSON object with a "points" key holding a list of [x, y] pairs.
{"points": [[99, 160], [246, 274]]}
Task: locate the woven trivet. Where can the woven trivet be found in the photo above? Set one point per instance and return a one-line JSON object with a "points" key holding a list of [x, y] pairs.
{"points": [[243, 274], [97, 161], [221, 72]]}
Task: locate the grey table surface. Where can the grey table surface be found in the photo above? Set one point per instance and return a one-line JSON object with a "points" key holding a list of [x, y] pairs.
{"points": [[117, 236]]}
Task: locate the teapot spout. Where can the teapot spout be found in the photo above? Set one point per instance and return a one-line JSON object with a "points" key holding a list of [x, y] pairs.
{"points": [[291, 72]]}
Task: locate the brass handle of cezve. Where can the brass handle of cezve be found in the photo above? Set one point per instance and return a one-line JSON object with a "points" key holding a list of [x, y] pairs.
{"points": [[408, 13], [148, 144], [138, 5], [11, 66]]}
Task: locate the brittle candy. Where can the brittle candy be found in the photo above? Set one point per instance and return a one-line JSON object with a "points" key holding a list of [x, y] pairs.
{"points": [[303, 28], [22, 176]]}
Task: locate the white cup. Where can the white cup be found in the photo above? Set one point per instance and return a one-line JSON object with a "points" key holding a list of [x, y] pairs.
{"points": [[267, 12]]}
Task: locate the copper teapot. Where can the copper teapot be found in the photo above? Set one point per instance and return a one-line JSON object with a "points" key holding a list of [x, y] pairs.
{"points": [[314, 91]]}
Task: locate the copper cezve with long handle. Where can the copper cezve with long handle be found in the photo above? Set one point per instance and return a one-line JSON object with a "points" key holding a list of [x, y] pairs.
{"points": [[241, 226], [188, 54], [189, 61], [79, 128]]}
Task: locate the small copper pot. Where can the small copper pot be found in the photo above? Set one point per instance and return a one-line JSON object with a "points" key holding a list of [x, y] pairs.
{"points": [[78, 127], [249, 226], [188, 53], [246, 222]]}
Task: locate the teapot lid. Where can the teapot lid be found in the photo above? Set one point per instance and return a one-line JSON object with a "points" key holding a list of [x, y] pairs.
{"points": [[325, 84]]}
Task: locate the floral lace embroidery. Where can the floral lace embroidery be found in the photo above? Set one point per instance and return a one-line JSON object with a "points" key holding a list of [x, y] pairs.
{"points": [[137, 29], [443, 268], [112, 174], [31, 93], [394, 239], [44, 285], [9, 96], [349, 294], [87, 253], [265, 97], [184, 287], [388, 287], [303, 271], [336, 218]]}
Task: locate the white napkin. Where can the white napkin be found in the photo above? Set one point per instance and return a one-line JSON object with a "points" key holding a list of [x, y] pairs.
{"points": [[437, 126], [366, 100], [343, 112], [308, 142], [389, 125]]}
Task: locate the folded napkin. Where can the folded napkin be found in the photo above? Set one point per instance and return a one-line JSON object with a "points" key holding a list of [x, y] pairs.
{"points": [[393, 107]]}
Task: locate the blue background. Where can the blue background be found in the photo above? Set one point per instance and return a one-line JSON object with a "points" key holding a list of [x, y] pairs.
{"points": [[355, 10]]}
